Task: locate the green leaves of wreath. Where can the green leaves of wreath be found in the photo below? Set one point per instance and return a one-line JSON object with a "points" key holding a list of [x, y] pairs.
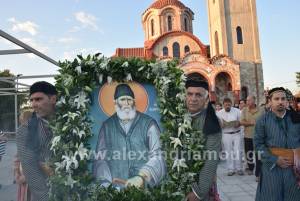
{"points": [[72, 128]]}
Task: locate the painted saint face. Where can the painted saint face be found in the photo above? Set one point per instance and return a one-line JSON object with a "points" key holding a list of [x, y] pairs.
{"points": [[125, 107]]}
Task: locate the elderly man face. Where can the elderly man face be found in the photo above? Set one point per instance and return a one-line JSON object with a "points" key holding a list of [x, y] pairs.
{"points": [[125, 107], [125, 103], [196, 97], [250, 101]]}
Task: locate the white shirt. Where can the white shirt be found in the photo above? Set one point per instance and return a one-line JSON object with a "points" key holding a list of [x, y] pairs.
{"points": [[233, 115]]}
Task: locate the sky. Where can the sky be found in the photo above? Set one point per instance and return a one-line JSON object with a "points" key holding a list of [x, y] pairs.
{"points": [[64, 28]]}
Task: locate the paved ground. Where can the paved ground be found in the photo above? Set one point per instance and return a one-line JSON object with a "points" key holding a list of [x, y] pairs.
{"points": [[234, 188], [8, 190]]}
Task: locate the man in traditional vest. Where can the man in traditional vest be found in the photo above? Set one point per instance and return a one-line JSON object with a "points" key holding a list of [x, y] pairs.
{"points": [[33, 140], [204, 118], [277, 139], [130, 143]]}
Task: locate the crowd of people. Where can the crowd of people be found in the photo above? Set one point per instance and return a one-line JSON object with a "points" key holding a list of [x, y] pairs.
{"points": [[262, 140]]}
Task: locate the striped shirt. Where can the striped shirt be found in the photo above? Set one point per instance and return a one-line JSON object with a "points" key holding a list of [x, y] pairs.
{"points": [[35, 177], [208, 172], [2, 147]]}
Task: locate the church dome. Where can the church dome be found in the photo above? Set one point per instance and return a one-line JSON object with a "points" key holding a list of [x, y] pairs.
{"points": [[164, 16], [162, 3], [159, 4]]}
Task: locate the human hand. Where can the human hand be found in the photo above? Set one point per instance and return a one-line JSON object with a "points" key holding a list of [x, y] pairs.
{"points": [[20, 179], [3, 137], [46, 169], [136, 181], [236, 124], [191, 197], [284, 162]]}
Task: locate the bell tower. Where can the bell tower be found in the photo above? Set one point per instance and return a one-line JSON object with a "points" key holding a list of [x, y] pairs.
{"points": [[233, 31]]}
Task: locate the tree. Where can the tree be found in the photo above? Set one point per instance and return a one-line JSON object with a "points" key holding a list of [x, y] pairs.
{"points": [[298, 78], [7, 105]]}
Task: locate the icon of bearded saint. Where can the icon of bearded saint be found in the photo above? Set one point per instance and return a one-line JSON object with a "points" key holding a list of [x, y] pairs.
{"points": [[128, 151]]}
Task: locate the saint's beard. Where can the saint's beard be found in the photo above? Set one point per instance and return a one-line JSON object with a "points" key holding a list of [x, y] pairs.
{"points": [[125, 114]]}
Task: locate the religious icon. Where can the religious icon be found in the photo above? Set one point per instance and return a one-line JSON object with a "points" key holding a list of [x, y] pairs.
{"points": [[127, 149]]}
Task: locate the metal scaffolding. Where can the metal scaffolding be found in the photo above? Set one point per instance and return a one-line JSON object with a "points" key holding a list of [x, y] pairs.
{"points": [[20, 88]]}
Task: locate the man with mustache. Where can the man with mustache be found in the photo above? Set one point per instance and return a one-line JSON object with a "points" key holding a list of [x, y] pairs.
{"points": [[130, 142], [277, 139]]}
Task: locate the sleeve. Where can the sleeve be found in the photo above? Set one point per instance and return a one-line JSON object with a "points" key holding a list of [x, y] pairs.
{"points": [[260, 137], [208, 172], [238, 114], [101, 169], [243, 115], [155, 168], [36, 179]]}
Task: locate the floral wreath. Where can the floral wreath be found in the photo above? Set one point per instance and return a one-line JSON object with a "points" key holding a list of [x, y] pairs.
{"points": [[72, 128]]}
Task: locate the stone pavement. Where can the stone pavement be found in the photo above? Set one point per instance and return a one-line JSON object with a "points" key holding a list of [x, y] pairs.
{"points": [[234, 188], [8, 192]]}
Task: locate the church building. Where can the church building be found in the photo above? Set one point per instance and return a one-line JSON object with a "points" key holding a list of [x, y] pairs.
{"points": [[231, 64]]}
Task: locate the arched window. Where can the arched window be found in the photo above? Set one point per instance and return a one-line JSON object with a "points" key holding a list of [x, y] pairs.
{"points": [[165, 51], [239, 35], [244, 93], [176, 50], [186, 49], [152, 27], [186, 24], [169, 23], [217, 43]]}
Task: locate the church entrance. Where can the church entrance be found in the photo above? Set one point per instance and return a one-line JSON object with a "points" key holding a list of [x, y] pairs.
{"points": [[223, 87]]}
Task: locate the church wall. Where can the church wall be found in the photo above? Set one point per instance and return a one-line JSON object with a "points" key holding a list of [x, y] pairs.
{"points": [[248, 79], [168, 41]]}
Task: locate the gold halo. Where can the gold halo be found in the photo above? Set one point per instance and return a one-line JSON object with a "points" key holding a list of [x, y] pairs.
{"points": [[106, 97]]}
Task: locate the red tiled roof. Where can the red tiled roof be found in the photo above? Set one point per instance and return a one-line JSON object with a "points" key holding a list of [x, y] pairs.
{"points": [[130, 52], [162, 3]]}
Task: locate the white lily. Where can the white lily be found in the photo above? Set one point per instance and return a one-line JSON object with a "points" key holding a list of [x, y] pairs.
{"points": [[68, 80], [125, 64], [55, 141], [78, 70], [70, 162], [82, 152], [109, 79], [71, 115], [176, 141], [179, 163], [81, 99], [100, 78], [129, 77], [59, 166], [103, 65], [70, 181], [90, 62], [61, 101]]}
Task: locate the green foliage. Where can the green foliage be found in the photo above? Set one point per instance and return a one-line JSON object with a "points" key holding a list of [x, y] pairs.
{"points": [[72, 128], [298, 78], [7, 106]]}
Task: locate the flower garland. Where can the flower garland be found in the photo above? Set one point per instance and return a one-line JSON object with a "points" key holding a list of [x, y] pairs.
{"points": [[72, 128]]}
